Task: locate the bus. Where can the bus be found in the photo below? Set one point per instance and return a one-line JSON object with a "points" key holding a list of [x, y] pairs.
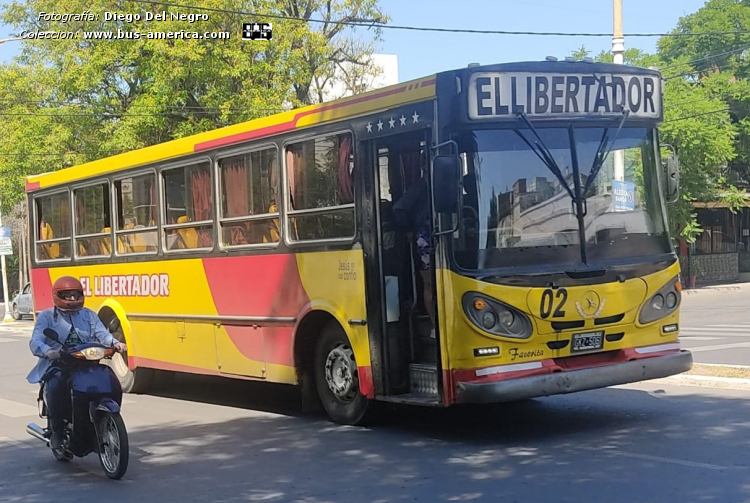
{"points": [[282, 249]]}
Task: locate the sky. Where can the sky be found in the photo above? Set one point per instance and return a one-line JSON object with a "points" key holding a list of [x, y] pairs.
{"points": [[424, 53]]}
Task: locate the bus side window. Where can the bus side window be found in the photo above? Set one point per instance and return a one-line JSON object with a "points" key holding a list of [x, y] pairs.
{"points": [[248, 213], [92, 215], [135, 224], [187, 196], [320, 173], [53, 232]]}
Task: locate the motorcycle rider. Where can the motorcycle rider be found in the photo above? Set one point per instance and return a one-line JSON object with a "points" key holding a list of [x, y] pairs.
{"points": [[74, 325]]}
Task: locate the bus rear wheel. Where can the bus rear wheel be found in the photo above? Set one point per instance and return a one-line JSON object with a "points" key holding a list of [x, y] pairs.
{"points": [[337, 378]]}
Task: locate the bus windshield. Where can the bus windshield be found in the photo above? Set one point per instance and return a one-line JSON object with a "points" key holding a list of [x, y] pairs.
{"points": [[519, 211]]}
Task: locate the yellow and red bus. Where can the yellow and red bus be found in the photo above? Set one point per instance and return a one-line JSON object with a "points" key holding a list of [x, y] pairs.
{"points": [[278, 250]]}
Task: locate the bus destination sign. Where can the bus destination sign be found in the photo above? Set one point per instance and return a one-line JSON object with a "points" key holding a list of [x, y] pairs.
{"points": [[495, 95]]}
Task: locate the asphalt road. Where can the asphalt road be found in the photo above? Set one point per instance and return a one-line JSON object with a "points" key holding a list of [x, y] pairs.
{"points": [[209, 439], [715, 326]]}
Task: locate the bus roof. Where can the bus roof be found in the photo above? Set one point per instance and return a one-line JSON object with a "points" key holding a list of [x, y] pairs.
{"points": [[344, 108]]}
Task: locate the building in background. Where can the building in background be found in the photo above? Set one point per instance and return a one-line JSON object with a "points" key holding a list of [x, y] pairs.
{"points": [[721, 253], [349, 79]]}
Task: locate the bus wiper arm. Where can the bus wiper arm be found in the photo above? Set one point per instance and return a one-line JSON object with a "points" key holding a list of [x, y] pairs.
{"points": [[602, 152], [541, 150]]}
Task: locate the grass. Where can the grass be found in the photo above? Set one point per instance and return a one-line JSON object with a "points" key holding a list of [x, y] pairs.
{"points": [[719, 371]]}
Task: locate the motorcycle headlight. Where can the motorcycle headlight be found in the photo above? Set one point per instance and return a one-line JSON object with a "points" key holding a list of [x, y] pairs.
{"points": [[662, 303], [495, 317], [93, 353]]}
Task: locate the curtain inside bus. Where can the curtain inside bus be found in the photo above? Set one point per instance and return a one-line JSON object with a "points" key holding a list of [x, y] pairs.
{"points": [[201, 188]]}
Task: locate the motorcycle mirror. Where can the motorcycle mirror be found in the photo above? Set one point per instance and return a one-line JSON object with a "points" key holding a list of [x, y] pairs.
{"points": [[114, 325], [51, 334]]}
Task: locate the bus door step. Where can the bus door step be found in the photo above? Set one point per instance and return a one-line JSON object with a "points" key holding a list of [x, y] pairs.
{"points": [[423, 379]]}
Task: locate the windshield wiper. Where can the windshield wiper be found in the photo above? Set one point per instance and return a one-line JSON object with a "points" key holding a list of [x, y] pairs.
{"points": [[602, 152], [541, 150]]}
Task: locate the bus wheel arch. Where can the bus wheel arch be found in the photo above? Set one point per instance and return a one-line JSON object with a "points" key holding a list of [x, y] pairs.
{"points": [[327, 370], [137, 380]]}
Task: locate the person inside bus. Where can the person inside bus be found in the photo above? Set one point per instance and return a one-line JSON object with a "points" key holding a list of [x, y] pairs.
{"points": [[412, 212], [74, 324]]}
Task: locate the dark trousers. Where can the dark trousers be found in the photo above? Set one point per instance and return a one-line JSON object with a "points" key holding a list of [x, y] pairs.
{"points": [[57, 398]]}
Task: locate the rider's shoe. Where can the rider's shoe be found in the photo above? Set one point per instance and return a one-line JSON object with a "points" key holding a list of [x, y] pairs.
{"points": [[55, 441]]}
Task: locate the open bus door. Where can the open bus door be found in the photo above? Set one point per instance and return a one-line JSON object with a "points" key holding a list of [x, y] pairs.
{"points": [[404, 330]]}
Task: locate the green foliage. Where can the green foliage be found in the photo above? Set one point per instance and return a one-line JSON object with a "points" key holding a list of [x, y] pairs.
{"points": [[706, 107], [80, 100]]}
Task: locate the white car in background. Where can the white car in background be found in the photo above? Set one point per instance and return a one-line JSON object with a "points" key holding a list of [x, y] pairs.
{"points": [[21, 305]]}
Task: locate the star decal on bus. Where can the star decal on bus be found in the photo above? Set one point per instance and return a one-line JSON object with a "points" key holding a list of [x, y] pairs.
{"points": [[392, 123], [369, 127], [403, 120], [380, 125], [415, 117], [592, 305]]}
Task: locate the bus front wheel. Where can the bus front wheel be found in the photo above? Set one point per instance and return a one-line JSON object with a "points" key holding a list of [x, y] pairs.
{"points": [[337, 378], [131, 381]]}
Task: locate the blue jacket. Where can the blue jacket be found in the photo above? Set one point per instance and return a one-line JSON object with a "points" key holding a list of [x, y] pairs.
{"points": [[88, 326]]}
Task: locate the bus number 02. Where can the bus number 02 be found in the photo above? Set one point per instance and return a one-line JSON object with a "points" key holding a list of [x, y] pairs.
{"points": [[545, 308]]}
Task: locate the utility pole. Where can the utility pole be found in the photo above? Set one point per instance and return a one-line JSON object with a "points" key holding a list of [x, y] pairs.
{"points": [[618, 52]]}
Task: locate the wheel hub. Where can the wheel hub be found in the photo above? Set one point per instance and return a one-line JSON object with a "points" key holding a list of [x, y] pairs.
{"points": [[341, 373], [119, 365]]}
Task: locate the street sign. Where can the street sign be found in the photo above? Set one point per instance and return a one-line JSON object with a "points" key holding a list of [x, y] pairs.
{"points": [[624, 193], [6, 244]]}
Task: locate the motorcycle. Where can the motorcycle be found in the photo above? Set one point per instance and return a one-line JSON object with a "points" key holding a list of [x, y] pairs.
{"points": [[92, 422]]}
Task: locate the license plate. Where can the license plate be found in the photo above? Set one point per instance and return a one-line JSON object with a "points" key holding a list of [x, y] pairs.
{"points": [[590, 341]]}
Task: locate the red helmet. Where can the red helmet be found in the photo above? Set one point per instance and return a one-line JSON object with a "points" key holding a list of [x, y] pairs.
{"points": [[67, 294]]}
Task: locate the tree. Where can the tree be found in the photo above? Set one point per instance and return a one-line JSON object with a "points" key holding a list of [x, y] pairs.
{"points": [[700, 130], [77, 100]]}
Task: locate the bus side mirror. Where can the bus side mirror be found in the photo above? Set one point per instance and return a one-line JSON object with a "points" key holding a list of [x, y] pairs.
{"points": [[672, 172], [445, 184]]}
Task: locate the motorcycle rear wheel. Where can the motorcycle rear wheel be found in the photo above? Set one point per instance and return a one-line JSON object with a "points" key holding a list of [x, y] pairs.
{"points": [[114, 450]]}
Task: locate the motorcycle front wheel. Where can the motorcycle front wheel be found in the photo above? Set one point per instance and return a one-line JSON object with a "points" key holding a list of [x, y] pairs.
{"points": [[114, 451]]}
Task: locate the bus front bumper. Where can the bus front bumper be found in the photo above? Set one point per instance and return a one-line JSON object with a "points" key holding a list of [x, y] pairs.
{"points": [[574, 380]]}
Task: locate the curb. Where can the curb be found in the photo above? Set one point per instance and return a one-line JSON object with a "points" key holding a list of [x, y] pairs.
{"points": [[738, 287], [735, 383]]}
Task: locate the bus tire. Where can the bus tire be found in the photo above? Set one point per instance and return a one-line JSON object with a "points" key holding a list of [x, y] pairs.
{"points": [[336, 378], [132, 381]]}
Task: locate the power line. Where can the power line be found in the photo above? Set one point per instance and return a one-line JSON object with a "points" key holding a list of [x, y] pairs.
{"points": [[699, 115], [373, 24], [693, 72], [174, 107], [709, 57]]}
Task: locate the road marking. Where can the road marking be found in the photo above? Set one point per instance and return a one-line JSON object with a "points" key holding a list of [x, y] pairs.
{"points": [[692, 464], [3, 339], [125, 401], [697, 338], [712, 329], [15, 443], [720, 346], [10, 408]]}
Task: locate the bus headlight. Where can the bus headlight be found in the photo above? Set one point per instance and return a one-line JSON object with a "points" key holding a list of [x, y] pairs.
{"points": [[495, 317], [657, 302], [662, 303], [671, 300]]}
